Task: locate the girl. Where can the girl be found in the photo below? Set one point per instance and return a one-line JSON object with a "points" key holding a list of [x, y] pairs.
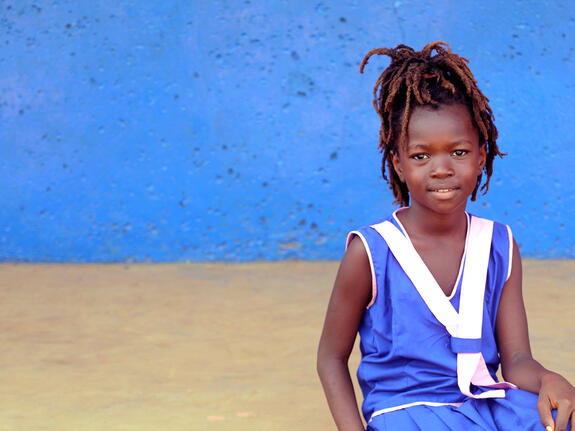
{"points": [[434, 292]]}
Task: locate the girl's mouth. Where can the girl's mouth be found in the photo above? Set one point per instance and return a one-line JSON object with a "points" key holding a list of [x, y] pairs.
{"points": [[444, 190]]}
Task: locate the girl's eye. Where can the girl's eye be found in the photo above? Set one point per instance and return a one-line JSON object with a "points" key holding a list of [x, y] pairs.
{"points": [[420, 156], [460, 153]]}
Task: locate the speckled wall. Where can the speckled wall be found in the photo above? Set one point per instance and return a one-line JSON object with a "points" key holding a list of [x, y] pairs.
{"points": [[241, 130]]}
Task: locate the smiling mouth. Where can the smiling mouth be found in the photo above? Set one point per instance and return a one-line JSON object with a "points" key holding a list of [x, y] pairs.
{"points": [[444, 190]]}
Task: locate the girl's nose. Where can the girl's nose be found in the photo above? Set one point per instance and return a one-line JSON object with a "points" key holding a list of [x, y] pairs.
{"points": [[442, 167]]}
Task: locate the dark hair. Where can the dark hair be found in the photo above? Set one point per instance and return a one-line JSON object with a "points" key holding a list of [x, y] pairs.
{"points": [[416, 78]]}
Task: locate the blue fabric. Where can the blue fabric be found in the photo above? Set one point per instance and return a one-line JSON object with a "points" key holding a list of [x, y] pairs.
{"points": [[408, 356], [516, 412], [465, 345]]}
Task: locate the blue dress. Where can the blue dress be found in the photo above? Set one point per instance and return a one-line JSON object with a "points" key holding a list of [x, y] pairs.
{"points": [[408, 372]]}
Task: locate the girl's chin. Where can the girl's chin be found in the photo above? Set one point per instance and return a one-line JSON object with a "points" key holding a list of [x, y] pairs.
{"points": [[441, 203]]}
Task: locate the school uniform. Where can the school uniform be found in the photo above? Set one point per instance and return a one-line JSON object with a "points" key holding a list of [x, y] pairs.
{"points": [[429, 361]]}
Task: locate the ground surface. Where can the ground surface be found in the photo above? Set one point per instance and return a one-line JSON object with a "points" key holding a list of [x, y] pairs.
{"points": [[196, 346]]}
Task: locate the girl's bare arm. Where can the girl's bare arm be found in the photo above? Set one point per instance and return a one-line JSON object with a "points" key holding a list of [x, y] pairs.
{"points": [[517, 363], [351, 293]]}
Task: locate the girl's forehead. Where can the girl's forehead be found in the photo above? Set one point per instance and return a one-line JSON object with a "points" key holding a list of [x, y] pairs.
{"points": [[441, 123], [439, 115], [440, 109]]}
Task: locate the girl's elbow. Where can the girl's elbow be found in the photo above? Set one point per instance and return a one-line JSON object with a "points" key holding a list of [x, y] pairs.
{"points": [[322, 367], [327, 360], [323, 359], [320, 360]]}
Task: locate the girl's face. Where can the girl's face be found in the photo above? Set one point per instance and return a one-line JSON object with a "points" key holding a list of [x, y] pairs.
{"points": [[442, 158]]}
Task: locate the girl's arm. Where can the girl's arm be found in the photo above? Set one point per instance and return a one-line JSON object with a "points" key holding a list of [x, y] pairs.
{"points": [[517, 363], [351, 294]]}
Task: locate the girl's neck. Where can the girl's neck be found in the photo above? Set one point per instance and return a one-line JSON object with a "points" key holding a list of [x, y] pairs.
{"points": [[419, 222]]}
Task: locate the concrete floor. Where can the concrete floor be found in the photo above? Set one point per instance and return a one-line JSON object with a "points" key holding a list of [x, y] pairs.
{"points": [[196, 346]]}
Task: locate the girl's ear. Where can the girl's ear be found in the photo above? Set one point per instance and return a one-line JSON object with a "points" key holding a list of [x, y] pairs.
{"points": [[397, 166], [482, 158]]}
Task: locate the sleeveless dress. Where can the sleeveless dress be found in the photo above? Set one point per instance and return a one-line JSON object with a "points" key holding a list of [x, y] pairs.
{"points": [[428, 360]]}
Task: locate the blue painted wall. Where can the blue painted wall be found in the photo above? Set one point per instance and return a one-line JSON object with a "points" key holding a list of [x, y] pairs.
{"points": [[241, 130]]}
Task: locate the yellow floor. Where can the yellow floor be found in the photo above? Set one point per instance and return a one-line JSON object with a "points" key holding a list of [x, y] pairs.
{"points": [[195, 346]]}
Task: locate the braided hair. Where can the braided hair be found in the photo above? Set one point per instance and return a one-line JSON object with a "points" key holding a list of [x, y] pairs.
{"points": [[416, 78]]}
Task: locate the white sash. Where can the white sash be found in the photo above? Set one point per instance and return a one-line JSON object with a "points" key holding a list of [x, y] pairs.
{"points": [[465, 326]]}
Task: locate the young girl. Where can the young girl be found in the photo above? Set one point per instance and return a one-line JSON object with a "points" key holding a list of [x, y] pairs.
{"points": [[435, 292]]}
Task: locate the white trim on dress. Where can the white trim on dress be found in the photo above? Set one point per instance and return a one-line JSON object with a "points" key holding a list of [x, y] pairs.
{"points": [[368, 251], [510, 235]]}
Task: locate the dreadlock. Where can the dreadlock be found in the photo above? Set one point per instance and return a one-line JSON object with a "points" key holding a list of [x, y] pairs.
{"points": [[419, 78]]}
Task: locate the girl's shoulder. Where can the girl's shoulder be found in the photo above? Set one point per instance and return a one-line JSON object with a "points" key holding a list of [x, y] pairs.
{"points": [[369, 230], [501, 237], [369, 235]]}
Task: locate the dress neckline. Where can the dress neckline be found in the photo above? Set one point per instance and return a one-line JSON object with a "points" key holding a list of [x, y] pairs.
{"points": [[461, 263]]}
